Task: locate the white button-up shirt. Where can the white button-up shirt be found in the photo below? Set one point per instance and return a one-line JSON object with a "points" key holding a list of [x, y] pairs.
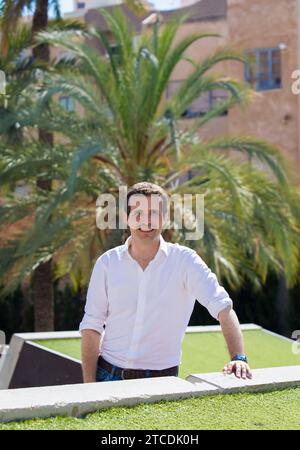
{"points": [[146, 312]]}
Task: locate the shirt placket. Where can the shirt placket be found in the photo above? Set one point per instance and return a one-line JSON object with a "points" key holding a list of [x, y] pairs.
{"points": [[139, 316]]}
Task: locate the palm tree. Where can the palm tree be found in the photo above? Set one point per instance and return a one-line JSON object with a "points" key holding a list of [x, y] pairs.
{"points": [[15, 39], [129, 132], [42, 277], [11, 11]]}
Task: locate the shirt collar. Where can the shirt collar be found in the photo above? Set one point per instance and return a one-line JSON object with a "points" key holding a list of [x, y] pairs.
{"points": [[163, 246]]}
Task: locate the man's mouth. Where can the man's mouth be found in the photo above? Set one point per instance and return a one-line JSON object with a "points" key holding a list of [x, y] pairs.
{"points": [[146, 231]]}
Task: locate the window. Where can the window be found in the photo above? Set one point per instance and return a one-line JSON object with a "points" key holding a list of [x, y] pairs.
{"points": [[80, 5], [115, 50], [67, 102], [263, 70], [202, 104]]}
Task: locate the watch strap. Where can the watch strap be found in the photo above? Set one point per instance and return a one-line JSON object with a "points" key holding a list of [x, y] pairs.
{"points": [[240, 357]]}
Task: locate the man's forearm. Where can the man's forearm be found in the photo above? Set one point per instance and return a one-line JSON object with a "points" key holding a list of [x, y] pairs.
{"points": [[89, 352], [232, 331]]}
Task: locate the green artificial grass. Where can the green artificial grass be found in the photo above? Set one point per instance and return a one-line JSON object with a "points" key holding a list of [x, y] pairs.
{"points": [[258, 411], [70, 347], [201, 352], [207, 352]]}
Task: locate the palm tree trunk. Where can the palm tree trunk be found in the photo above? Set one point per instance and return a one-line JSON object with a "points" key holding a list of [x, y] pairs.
{"points": [[42, 286], [43, 297]]}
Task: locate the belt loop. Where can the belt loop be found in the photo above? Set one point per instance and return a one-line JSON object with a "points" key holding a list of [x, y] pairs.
{"points": [[113, 370], [148, 373]]}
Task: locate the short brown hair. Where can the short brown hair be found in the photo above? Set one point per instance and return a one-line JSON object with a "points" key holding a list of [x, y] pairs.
{"points": [[147, 188]]}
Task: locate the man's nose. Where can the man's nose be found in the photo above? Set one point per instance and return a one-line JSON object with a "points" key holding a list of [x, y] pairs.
{"points": [[147, 218], [147, 223]]}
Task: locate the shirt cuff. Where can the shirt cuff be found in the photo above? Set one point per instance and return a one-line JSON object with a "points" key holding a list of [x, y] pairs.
{"points": [[90, 323], [219, 306]]}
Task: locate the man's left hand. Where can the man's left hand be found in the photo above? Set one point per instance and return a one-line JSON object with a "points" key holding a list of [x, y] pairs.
{"points": [[239, 368]]}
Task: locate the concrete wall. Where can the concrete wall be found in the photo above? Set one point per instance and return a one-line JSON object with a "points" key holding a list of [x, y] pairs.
{"points": [[273, 114]]}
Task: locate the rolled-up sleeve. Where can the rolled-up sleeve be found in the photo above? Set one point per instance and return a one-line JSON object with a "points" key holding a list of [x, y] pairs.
{"points": [[203, 284], [95, 311]]}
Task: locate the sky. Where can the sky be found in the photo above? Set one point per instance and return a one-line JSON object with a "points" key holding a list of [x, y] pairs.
{"points": [[67, 5]]}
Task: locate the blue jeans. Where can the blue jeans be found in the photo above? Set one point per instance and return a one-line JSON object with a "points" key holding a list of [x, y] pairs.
{"points": [[104, 375]]}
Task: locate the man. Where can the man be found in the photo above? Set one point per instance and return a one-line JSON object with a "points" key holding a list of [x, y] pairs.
{"points": [[144, 292]]}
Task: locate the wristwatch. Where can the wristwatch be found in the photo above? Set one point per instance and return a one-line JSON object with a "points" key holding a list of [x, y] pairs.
{"points": [[240, 357]]}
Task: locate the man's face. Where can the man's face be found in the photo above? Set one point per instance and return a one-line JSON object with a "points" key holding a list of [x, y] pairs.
{"points": [[146, 218]]}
